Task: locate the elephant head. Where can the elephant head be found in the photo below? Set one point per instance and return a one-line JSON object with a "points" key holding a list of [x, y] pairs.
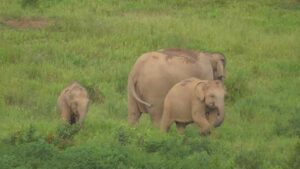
{"points": [[79, 103], [218, 64], [212, 93]]}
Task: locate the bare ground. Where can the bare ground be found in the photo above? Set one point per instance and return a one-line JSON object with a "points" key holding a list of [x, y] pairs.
{"points": [[28, 23]]}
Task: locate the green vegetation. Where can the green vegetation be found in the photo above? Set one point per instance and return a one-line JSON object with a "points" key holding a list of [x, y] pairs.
{"points": [[97, 41]]}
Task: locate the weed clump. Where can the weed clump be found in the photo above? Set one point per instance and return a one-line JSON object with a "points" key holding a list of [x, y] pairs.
{"points": [[64, 135]]}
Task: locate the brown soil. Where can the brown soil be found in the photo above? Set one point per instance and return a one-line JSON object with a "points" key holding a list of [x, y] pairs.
{"points": [[27, 23]]}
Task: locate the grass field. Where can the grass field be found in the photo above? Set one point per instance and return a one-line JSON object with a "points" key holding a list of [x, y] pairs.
{"points": [[46, 44]]}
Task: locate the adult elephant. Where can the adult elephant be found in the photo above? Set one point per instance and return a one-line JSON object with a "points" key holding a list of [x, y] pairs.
{"points": [[155, 73]]}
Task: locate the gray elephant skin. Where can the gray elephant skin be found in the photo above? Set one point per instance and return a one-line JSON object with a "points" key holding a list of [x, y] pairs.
{"points": [[154, 73]]}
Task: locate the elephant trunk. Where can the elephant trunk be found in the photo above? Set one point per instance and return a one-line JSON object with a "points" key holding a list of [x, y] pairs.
{"points": [[220, 71], [220, 117]]}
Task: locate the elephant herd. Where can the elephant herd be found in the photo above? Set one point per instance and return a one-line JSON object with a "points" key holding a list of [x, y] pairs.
{"points": [[171, 85]]}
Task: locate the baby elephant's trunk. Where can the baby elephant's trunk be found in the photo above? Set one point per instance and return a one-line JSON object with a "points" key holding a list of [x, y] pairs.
{"points": [[220, 117]]}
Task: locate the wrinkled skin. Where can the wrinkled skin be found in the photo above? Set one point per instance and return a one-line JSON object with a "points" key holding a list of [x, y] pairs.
{"points": [[73, 103], [155, 73], [194, 101]]}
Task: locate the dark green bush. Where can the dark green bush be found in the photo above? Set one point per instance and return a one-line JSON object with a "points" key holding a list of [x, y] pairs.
{"points": [[123, 136], [67, 131], [64, 135]]}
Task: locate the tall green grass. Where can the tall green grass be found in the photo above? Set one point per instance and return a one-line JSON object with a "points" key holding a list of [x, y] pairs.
{"points": [[96, 42]]}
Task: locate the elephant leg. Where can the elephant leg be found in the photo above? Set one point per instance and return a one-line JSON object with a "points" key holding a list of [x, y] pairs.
{"points": [[65, 113], [156, 119], [203, 124], [165, 125], [134, 113], [180, 127], [80, 118], [156, 112], [166, 121]]}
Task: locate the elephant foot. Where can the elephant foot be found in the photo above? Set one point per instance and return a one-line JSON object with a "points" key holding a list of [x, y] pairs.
{"points": [[205, 132]]}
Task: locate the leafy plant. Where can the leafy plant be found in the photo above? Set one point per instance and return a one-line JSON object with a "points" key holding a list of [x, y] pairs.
{"points": [[64, 135]]}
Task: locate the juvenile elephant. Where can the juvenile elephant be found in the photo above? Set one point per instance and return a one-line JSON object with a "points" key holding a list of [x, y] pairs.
{"points": [[194, 100], [73, 103], [154, 73]]}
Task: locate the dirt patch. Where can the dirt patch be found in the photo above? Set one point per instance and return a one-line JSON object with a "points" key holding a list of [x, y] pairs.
{"points": [[27, 23]]}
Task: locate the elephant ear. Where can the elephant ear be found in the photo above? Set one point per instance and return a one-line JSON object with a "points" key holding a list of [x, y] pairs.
{"points": [[220, 70], [200, 89]]}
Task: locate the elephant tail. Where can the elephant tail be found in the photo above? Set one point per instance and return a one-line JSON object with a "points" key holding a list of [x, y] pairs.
{"points": [[133, 91]]}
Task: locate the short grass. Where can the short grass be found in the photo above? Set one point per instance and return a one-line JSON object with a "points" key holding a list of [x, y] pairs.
{"points": [[96, 42]]}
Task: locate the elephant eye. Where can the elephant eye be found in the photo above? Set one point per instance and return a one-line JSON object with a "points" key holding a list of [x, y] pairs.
{"points": [[211, 95]]}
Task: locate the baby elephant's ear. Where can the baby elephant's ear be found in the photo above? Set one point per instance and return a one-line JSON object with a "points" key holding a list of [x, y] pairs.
{"points": [[200, 89]]}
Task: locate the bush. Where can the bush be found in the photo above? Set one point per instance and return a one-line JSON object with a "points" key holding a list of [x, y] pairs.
{"points": [[64, 135], [67, 131]]}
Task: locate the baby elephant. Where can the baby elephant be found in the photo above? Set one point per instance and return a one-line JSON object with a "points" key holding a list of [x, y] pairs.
{"points": [[73, 103], [194, 100]]}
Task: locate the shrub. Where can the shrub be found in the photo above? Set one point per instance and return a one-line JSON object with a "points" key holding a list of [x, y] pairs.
{"points": [[123, 136], [64, 135], [67, 131]]}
